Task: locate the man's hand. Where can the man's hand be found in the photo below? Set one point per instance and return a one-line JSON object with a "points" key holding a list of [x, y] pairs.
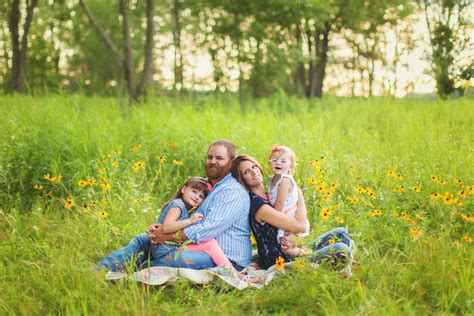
{"points": [[157, 236], [287, 241]]}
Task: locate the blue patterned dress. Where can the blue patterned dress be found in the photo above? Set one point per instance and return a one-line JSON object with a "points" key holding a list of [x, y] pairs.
{"points": [[265, 235]]}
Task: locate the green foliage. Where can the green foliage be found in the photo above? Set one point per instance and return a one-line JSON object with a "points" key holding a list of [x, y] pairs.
{"points": [[413, 256]]}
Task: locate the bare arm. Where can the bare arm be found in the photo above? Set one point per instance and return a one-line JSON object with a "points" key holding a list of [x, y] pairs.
{"points": [[301, 214], [171, 223], [269, 215], [283, 190]]}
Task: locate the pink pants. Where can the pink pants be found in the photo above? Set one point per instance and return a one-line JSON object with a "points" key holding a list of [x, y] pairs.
{"points": [[213, 250]]}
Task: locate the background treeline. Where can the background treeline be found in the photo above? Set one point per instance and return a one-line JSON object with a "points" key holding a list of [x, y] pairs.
{"points": [[257, 48]]}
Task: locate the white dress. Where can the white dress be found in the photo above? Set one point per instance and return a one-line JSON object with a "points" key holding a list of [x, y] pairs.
{"points": [[291, 202]]}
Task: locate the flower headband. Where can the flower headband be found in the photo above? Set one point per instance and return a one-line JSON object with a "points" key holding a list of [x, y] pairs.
{"points": [[275, 148]]}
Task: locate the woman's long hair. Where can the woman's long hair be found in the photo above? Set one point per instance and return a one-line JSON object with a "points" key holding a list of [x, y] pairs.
{"points": [[235, 168]]}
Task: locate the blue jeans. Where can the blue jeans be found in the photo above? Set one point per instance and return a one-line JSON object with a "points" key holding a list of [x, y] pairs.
{"points": [[333, 245], [137, 255]]}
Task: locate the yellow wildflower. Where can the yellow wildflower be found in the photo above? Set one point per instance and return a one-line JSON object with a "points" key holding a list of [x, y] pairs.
{"points": [[135, 148], [103, 214], [416, 189], [48, 177], [114, 164], [459, 182], [56, 180], [462, 194], [331, 241], [82, 183], [360, 190], [400, 177], [390, 173], [91, 181], [102, 171], [442, 182], [339, 219], [395, 214], [435, 196], [279, 263], [375, 212], [325, 213], [252, 240], [69, 202], [162, 159], [467, 217], [139, 165], [105, 186], [311, 181], [415, 232], [434, 179], [38, 187], [400, 189], [177, 162], [467, 239], [420, 217]]}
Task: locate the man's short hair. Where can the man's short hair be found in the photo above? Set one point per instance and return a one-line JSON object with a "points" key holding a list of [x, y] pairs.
{"points": [[227, 144]]}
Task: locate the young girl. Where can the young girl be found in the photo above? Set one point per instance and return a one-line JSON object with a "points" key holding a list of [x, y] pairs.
{"points": [[174, 217], [178, 213], [283, 190]]}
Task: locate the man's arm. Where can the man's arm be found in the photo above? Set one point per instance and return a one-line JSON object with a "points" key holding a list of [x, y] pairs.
{"points": [[157, 236], [225, 209]]}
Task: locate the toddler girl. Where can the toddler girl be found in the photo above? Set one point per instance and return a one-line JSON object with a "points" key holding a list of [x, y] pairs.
{"points": [[283, 190]]}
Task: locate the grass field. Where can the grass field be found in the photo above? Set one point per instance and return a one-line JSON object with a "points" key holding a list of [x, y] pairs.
{"points": [[80, 176]]}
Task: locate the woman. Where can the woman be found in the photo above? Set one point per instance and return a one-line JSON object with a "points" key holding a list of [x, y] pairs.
{"points": [[265, 221]]}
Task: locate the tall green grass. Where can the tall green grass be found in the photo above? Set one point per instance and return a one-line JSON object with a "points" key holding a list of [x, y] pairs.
{"points": [[48, 251]]}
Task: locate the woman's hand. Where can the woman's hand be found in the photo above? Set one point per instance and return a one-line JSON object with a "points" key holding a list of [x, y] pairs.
{"points": [[196, 217]]}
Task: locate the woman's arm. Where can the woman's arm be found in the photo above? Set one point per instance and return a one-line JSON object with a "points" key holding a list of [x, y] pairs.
{"points": [[171, 223], [269, 215]]}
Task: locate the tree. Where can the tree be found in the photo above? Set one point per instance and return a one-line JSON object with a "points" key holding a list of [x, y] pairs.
{"points": [[19, 47], [446, 25], [126, 63]]}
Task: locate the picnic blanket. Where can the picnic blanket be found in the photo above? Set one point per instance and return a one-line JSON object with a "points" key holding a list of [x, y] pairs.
{"points": [[257, 278]]}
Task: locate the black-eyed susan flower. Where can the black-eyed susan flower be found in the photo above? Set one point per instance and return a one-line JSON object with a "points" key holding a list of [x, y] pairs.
{"points": [[400, 189], [339, 219], [471, 190], [395, 213], [139, 165], [442, 182], [69, 202], [177, 162], [312, 181], [375, 212], [56, 180], [415, 232], [114, 164], [435, 179], [48, 177], [82, 183], [459, 182], [331, 241], [391, 173], [360, 190], [458, 202], [462, 194], [435, 196], [416, 189], [447, 200], [135, 148], [467, 217], [399, 177], [325, 213], [103, 214], [102, 171], [105, 186], [38, 187], [91, 181], [468, 239], [279, 263], [420, 217]]}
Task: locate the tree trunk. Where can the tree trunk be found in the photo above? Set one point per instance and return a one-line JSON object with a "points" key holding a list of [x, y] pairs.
{"points": [[322, 46], [299, 74], [309, 92], [148, 67], [178, 57], [17, 80], [129, 66]]}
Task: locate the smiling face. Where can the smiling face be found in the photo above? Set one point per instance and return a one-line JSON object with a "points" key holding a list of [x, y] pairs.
{"points": [[218, 163], [250, 174], [192, 197], [280, 163]]}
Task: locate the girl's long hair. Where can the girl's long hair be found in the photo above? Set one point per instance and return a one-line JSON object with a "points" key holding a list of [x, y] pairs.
{"points": [[197, 183]]}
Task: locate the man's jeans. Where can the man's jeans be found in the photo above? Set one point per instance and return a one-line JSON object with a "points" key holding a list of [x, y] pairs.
{"points": [[334, 245], [136, 255]]}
